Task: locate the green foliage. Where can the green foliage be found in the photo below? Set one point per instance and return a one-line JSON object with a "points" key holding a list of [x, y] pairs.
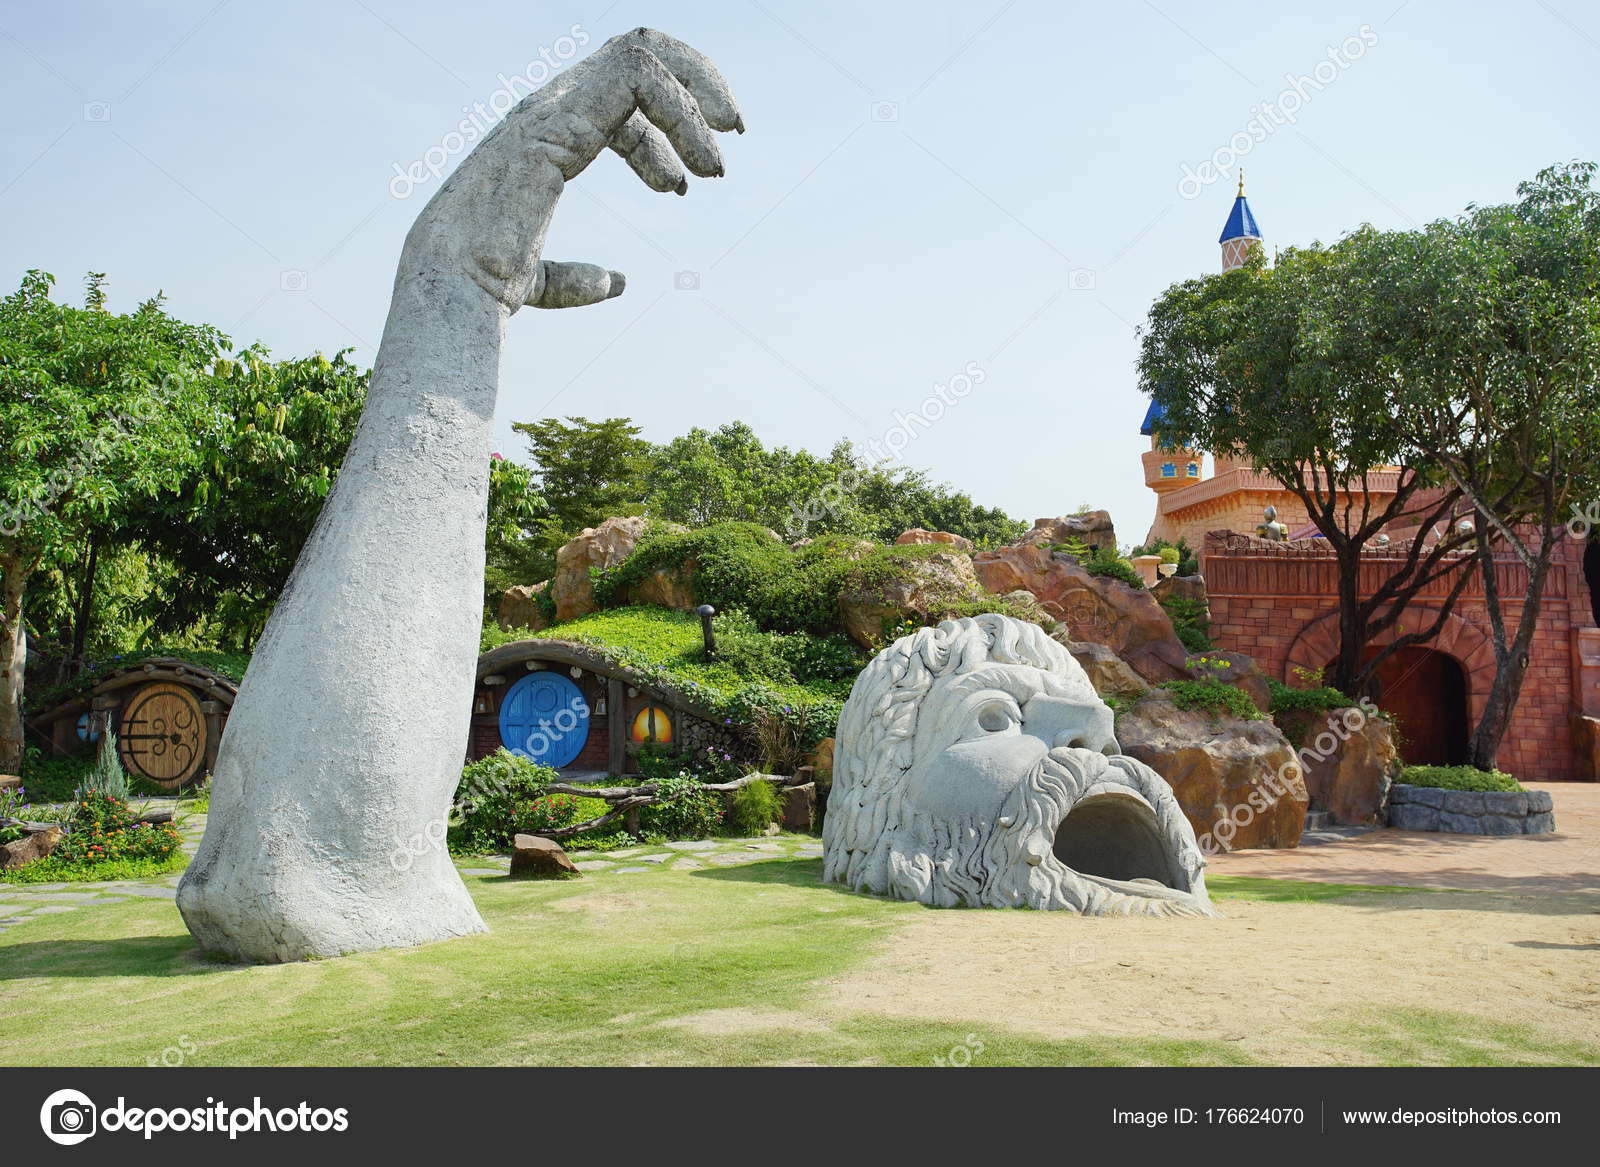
{"points": [[1105, 561], [1295, 710], [227, 664], [684, 809], [198, 800], [513, 552], [53, 869], [54, 778], [1189, 621], [552, 812], [756, 806], [1459, 778], [587, 471], [495, 796], [1213, 696], [108, 779]]}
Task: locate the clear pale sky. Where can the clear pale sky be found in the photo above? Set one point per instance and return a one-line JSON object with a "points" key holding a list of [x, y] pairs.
{"points": [[924, 186]]}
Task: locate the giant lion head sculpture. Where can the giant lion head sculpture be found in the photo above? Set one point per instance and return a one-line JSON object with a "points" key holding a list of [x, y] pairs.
{"points": [[975, 765]]}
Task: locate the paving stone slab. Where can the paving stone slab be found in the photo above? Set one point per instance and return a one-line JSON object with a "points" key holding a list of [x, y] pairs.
{"points": [[53, 908], [626, 870], [657, 858], [9, 920], [13, 909], [71, 897], [593, 865], [695, 845], [481, 870], [158, 893], [687, 865], [731, 858]]}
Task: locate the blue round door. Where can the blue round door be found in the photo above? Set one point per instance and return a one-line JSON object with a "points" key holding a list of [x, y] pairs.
{"points": [[544, 717]]}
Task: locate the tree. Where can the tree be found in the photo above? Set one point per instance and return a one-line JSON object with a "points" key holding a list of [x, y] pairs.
{"points": [[1260, 363], [587, 471], [512, 553], [1493, 319], [95, 411], [268, 440]]}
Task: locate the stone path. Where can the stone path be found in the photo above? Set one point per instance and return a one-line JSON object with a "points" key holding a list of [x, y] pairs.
{"points": [[1568, 860], [20, 902]]}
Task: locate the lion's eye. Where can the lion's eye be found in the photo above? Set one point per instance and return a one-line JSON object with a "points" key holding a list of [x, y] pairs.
{"points": [[998, 716]]}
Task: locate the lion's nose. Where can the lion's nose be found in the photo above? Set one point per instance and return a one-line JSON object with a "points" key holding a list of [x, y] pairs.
{"points": [[1064, 724]]}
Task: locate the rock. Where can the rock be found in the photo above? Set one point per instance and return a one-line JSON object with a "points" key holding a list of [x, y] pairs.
{"points": [[594, 547], [1506, 802], [1426, 795], [1540, 802], [520, 608], [10, 782], [1237, 781], [1539, 823], [665, 587], [1586, 747], [1241, 673], [919, 535], [1183, 587], [1093, 527], [1500, 824], [1108, 672], [799, 807], [1094, 608], [156, 816], [34, 845], [1413, 816], [540, 858], [926, 587], [1353, 781], [1465, 802], [1459, 824]]}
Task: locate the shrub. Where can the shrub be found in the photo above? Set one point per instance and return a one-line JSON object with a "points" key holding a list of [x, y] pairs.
{"points": [[1179, 553], [684, 809], [108, 778], [1106, 562], [495, 795], [50, 869], [755, 807], [49, 778], [1189, 621], [1213, 696], [1459, 778], [1296, 709], [102, 829]]}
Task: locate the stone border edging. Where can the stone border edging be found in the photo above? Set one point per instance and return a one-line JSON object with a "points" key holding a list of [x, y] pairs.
{"points": [[1471, 812]]}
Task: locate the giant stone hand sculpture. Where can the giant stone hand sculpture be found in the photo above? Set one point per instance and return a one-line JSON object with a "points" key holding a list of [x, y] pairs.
{"points": [[975, 765], [345, 744]]}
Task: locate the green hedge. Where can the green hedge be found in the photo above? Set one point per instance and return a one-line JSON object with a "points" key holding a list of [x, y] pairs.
{"points": [[1213, 696], [1458, 778]]}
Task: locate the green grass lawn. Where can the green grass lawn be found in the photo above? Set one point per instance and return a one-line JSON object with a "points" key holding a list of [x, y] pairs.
{"points": [[620, 969]]}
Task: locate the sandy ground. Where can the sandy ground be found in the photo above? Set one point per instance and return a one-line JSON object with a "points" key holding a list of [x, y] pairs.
{"points": [[1296, 983], [1281, 979]]}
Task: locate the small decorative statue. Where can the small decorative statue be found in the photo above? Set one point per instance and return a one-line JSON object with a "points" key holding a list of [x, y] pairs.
{"points": [[1270, 528], [345, 745], [975, 765]]}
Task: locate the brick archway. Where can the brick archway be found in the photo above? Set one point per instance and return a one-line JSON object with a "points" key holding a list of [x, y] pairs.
{"points": [[1318, 643]]}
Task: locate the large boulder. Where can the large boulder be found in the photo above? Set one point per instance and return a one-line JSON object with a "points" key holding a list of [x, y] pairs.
{"points": [[920, 535], [1350, 762], [1183, 587], [541, 858], [666, 587], [1237, 781], [599, 547], [520, 608], [1095, 608], [1093, 527], [1236, 669], [921, 588], [1108, 672]]}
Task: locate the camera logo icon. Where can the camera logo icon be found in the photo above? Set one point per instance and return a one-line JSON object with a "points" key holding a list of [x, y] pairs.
{"points": [[686, 281], [1081, 279], [885, 111], [97, 111], [292, 280], [68, 1117]]}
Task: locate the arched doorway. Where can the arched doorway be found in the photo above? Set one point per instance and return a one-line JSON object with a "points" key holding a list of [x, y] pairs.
{"points": [[1425, 691], [1591, 572]]}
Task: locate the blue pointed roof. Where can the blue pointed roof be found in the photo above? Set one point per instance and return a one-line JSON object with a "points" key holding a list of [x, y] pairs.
{"points": [[1153, 417], [1241, 223]]}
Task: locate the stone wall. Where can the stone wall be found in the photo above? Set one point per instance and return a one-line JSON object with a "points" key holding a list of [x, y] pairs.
{"points": [[1471, 812]]}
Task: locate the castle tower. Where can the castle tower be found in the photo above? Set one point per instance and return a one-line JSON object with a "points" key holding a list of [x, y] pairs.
{"points": [[1166, 470], [1240, 233]]}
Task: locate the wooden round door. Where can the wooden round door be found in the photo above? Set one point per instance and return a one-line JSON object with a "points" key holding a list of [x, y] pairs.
{"points": [[162, 735], [544, 717]]}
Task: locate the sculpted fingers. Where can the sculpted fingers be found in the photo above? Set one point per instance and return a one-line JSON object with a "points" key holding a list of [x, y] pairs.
{"points": [[694, 72], [650, 155], [572, 285], [671, 108]]}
